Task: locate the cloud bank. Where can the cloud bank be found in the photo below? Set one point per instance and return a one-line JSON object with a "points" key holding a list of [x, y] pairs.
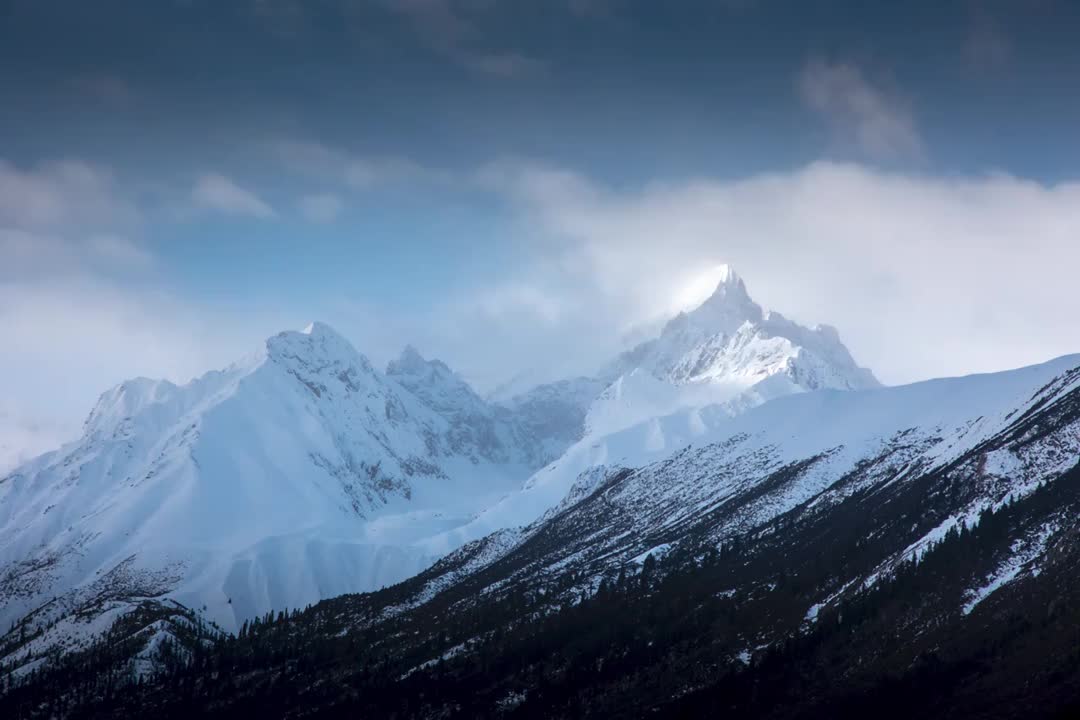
{"points": [[924, 276], [867, 117], [82, 305], [217, 192]]}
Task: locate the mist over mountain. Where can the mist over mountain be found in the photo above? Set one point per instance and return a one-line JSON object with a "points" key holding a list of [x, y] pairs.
{"points": [[302, 475], [454, 359], [347, 478]]}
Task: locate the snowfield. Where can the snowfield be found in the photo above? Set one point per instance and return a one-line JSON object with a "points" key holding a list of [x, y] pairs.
{"points": [[303, 472]]}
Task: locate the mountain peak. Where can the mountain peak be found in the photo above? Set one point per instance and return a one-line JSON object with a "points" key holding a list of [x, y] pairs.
{"points": [[729, 284], [317, 340], [411, 362], [725, 274], [317, 328], [729, 341], [724, 311]]}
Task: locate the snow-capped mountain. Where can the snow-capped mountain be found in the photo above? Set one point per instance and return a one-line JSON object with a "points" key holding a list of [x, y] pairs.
{"points": [[475, 428], [554, 414], [300, 473], [730, 349], [528, 429], [928, 529], [706, 366], [904, 466], [303, 473]]}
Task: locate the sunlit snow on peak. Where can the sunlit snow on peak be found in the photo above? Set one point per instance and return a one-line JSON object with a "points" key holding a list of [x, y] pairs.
{"points": [[696, 288]]}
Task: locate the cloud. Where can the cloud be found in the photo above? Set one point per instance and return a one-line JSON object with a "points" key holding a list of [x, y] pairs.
{"points": [[311, 158], [861, 115], [58, 194], [22, 437], [217, 192], [321, 208], [61, 216], [512, 301], [356, 171], [26, 255], [79, 333], [119, 251], [924, 276], [447, 29], [81, 305], [369, 172]]}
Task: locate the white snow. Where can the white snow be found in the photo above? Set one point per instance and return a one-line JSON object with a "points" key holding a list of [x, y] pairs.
{"points": [[657, 553], [298, 474], [303, 472], [707, 366], [1024, 553]]}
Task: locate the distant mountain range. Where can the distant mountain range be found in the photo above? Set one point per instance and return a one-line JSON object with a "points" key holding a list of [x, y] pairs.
{"points": [[303, 473]]}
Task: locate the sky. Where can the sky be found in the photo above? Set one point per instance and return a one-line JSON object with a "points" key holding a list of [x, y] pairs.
{"points": [[526, 187]]}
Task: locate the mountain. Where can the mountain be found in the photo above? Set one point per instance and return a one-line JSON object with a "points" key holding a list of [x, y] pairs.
{"points": [[731, 346], [554, 414], [729, 499], [909, 551], [993, 439], [347, 479], [475, 428], [298, 474], [531, 428], [726, 351], [705, 367]]}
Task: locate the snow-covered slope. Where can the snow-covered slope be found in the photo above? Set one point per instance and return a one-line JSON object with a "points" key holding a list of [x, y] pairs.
{"points": [[880, 526], [728, 355], [553, 414], [298, 474], [727, 351], [943, 450], [706, 366], [303, 472], [530, 429]]}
